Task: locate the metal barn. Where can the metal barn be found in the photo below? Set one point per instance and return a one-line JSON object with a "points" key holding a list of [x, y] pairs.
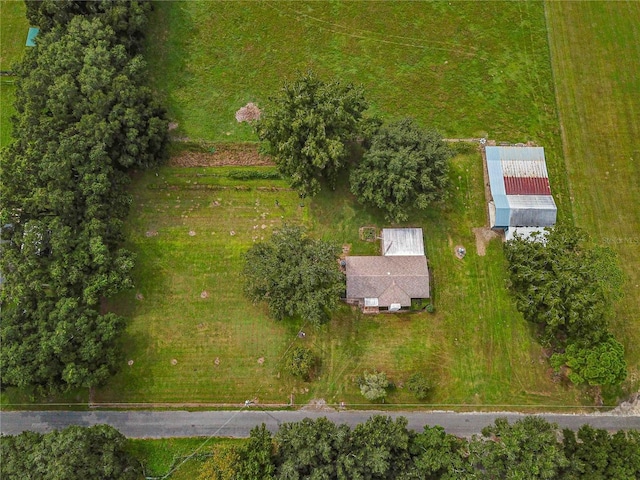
{"points": [[520, 189]]}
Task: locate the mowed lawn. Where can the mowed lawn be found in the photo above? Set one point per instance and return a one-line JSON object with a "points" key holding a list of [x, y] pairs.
{"points": [[469, 68], [13, 35], [192, 335], [222, 349], [596, 60]]}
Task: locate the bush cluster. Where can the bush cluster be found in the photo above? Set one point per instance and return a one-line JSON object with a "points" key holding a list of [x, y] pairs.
{"points": [[254, 175], [568, 290]]}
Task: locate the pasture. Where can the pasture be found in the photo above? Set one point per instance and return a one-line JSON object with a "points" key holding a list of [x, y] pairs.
{"points": [[595, 47]]}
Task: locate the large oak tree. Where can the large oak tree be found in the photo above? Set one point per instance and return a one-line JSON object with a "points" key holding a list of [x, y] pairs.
{"points": [[295, 275], [306, 127]]}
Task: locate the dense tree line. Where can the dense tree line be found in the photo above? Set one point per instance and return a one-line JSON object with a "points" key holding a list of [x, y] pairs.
{"points": [[97, 453], [380, 448], [310, 125], [84, 118], [568, 289], [383, 448]]}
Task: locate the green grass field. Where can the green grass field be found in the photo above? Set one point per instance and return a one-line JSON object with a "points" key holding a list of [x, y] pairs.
{"points": [[13, 34], [476, 346], [424, 59], [595, 49]]}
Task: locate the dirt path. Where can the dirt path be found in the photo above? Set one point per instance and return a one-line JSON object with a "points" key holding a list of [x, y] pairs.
{"points": [[483, 236], [225, 154]]}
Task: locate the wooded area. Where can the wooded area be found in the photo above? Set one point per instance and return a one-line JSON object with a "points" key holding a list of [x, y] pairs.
{"points": [[84, 118]]}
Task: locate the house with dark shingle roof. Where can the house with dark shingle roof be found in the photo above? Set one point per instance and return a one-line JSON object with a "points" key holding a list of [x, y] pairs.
{"points": [[390, 281]]}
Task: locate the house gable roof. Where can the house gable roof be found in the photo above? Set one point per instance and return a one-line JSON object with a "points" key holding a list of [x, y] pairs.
{"points": [[394, 279]]}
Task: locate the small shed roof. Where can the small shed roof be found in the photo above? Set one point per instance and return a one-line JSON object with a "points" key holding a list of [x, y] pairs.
{"points": [[530, 233], [31, 36], [402, 242]]}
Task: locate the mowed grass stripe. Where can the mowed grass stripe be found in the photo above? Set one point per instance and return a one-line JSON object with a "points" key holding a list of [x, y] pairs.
{"points": [[13, 35], [595, 51], [476, 347]]}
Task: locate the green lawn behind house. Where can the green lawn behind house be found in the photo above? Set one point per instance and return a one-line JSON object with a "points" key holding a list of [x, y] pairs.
{"points": [[223, 349], [595, 50]]}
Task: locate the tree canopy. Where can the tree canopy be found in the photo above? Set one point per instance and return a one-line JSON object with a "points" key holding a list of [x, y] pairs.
{"points": [[295, 275], [73, 453], [569, 289], [528, 449], [560, 284], [306, 127], [405, 168], [599, 364], [373, 386], [383, 448], [83, 118]]}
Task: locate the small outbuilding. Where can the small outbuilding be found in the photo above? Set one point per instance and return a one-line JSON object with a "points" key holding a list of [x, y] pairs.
{"points": [[31, 36], [520, 189], [402, 242]]}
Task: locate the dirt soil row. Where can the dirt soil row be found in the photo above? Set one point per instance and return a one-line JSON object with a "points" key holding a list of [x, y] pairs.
{"points": [[229, 154]]}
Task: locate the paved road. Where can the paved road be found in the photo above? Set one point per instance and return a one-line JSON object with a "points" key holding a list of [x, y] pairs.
{"points": [[161, 424]]}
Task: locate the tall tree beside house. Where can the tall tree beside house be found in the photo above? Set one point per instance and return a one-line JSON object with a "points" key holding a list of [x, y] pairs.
{"points": [[306, 128], [406, 168], [295, 275]]}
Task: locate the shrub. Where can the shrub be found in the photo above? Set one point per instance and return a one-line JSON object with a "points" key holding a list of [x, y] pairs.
{"points": [[300, 362], [254, 175], [373, 386], [419, 385]]}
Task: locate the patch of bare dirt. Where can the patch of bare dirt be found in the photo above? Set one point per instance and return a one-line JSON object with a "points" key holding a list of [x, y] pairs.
{"points": [[630, 407], [318, 404], [483, 236], [226, 154]]}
